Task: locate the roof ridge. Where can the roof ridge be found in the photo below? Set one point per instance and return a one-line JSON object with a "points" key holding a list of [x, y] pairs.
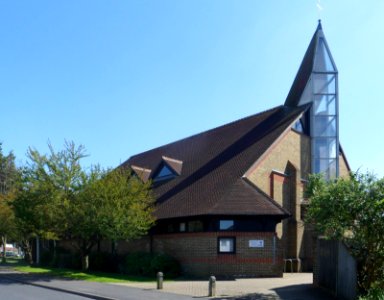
{"points": [[206, 131]]}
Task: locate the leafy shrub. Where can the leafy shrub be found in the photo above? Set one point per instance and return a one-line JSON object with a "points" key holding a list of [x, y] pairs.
{"points": [[138, 264], [62, 258], [68, 261], [145, 264], [104, 262], [166, 264], [46, 258], [374, 294]]}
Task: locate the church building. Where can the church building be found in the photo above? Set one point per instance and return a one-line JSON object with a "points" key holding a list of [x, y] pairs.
{"points": [[229, 201]]}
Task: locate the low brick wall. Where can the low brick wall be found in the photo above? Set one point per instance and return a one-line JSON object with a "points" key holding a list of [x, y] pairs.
{"points": [[199, 257]]}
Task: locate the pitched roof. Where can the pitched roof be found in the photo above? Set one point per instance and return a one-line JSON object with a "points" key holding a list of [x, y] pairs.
{"points": [[213, 163]]}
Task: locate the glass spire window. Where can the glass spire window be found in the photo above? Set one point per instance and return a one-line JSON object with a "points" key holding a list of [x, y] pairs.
{"points": [[321, 91], [323, 60], [324, 118]]}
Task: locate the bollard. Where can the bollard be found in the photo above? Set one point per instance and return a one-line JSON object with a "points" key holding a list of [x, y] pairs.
{"points": [[212, 286], [160, 278]]}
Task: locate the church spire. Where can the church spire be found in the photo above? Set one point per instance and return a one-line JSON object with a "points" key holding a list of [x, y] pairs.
{"points": [[319, 25], [316, 83]]}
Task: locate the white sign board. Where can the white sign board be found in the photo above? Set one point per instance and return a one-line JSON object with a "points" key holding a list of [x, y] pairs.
{"points": [[256, 243]]}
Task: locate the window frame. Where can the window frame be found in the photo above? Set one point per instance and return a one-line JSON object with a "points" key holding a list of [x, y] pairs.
{"points": [[227, 220], [183, 227], [232, 238]]}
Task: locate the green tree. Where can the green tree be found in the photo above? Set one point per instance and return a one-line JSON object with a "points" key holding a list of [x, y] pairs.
{"points": [[352, 210], [8, 171], [59, 199], [46, 186], [8, 177], [7, 223], [33, 212], [112, 205]]}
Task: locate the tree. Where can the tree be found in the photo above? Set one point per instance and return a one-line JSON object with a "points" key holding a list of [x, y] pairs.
{"points": [[8, 171], [8, 177], [112, 205], [352, 210], [46, 186], [7, 224], [33, 212], [58, 198]]}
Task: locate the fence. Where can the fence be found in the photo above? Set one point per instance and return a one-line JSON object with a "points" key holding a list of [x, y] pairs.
{"points": [[335, 269]]}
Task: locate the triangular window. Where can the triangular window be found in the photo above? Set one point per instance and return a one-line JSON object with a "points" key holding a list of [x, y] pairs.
{"points": [[298, 126], [323, 60], [306, 96], [164, 173]]}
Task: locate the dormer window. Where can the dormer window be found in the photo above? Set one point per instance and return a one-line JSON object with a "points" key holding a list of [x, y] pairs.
{"points": [[165, 173], [168, 169]]}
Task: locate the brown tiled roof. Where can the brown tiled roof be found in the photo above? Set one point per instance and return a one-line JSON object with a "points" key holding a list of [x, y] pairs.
{"points": [[213, 163]]}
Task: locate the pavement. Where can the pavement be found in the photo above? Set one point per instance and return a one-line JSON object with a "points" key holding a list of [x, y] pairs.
{"points": [[296, 286]]}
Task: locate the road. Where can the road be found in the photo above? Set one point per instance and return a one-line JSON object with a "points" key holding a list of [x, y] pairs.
{"points": [[15, 285], [14, 290]]}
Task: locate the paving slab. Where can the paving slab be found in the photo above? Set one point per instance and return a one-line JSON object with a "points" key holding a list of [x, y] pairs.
{"points": [[292, 286]]}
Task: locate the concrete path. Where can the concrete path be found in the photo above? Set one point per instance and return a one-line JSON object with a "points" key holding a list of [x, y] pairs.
{"points": [[293, 286]]}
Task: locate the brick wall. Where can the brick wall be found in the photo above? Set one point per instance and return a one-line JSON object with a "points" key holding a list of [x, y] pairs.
{"points": [[343, 167], [279, 173], [198, 254]]}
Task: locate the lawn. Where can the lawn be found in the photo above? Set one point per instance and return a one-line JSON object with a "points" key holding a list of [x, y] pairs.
{"points": [[21, 266]]}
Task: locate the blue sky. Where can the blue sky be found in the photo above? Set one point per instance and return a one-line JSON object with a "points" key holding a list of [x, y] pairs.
{"points": [[122, 77]]}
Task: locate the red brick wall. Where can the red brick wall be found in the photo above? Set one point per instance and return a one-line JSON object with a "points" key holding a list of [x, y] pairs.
{"points": [[198, 254], [199, 257]]}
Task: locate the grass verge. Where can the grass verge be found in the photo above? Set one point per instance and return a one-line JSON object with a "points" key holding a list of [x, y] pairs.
{"points": [[89, 276]]}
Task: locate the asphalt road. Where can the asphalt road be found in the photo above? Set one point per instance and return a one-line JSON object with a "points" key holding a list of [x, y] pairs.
{"points": [[10, 289], [15, 285]]}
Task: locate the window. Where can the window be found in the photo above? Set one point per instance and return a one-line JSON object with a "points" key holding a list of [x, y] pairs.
{"points": [[170, 228], [182, 227], [298, 126], [323, 61], [195, 226], [226, 244], [226, 225], [165, 173]]}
